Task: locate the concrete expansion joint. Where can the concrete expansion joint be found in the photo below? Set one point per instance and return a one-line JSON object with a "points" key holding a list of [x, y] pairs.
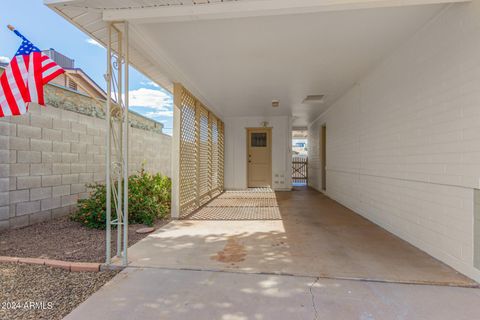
{"points": [[310, 288], [473, 285]]}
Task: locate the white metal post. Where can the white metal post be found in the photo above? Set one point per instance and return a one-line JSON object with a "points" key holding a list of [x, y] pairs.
{"points": [[108, 78], [125, 151], [117, 131], [120, 163]]}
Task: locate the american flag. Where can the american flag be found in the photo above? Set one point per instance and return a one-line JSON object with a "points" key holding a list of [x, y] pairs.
{"points": [[23, 80]]}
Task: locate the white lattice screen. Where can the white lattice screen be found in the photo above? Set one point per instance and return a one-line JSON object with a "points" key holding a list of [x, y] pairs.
{"points": [[201, 150]]}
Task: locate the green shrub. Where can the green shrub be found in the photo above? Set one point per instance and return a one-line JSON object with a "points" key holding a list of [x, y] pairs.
{"points": [[148, 200]]}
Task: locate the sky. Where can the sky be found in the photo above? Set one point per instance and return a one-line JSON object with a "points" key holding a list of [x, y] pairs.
{"points": [[45, 29]]}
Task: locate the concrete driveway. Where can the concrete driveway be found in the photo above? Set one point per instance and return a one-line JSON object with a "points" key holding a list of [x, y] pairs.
{"points": [[292, 255], [155, 293]]}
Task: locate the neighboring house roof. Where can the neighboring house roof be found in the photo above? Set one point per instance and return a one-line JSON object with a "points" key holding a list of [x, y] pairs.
{"points": [[77, 72]]}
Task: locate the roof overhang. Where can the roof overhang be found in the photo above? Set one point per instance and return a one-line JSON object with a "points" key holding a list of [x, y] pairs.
{"points": [[204, 10], [155, 58]]}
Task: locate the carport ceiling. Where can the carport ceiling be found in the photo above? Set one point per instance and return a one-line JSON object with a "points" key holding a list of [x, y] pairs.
{"points": [[239, 65]]}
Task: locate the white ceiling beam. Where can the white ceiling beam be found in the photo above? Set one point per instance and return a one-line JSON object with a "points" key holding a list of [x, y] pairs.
{"points": [[256, 8]]}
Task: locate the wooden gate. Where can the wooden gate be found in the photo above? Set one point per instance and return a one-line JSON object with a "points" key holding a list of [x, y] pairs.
{"points": [[300, 170]]}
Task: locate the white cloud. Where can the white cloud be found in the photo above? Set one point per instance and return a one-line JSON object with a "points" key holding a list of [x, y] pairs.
{"points": [[158, 100], [162, 113], [94, 42], [4, 59]]}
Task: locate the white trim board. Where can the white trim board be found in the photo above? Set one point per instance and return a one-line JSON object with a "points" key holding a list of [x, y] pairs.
{"points": [[258, 8]]}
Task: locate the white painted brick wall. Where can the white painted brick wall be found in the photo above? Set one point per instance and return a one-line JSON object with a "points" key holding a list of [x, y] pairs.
{"points": [[403, 145]]}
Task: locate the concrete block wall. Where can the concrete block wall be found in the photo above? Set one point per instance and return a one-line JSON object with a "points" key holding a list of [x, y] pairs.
{"points": [[4, 174], [403, 145], [49, 155], [150, 149]]}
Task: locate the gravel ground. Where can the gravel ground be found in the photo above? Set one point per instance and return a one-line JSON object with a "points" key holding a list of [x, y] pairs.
{"points": [[56, 292], [62, 239]]}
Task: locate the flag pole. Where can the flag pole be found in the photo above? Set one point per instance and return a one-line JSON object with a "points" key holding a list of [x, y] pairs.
{"points": [[10, 27]]}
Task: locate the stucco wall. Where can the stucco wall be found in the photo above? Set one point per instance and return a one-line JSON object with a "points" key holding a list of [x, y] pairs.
{"points": [[403, 145], [50, 154], [236, 150]]}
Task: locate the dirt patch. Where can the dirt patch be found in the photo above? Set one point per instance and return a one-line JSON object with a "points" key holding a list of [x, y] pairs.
{"points": [[63, 239], [41, 292], [232, 252]]}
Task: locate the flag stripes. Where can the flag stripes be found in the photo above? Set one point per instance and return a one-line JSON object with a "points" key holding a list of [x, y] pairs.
{"points": [[23, 80]]}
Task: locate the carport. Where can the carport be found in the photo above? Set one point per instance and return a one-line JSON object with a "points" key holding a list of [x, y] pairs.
{"points": [[388, 90], [300, 233]]}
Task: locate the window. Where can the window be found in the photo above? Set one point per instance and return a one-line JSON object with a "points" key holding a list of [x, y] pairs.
{"points": [[259, 139]]}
